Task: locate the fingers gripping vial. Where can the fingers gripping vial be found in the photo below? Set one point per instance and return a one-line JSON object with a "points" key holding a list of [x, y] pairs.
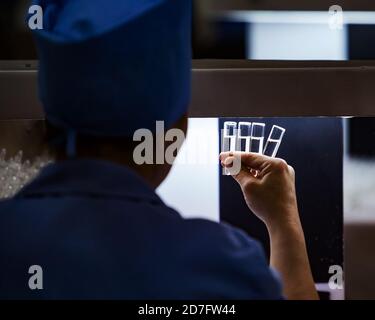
{"points": [[250, 137]]}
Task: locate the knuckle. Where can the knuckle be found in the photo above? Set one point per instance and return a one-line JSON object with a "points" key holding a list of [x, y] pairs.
{"points": [[281, 165], [291, 170], [247, 186]]}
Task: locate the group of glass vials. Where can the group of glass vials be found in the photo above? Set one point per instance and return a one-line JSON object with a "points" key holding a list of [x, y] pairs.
{"points": [[250, 137]]}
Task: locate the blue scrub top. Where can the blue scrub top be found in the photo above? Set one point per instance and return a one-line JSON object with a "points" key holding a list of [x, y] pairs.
{"points": [[99, 232]]}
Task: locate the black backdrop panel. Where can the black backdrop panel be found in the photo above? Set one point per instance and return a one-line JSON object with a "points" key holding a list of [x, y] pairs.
{"points": [[314, 147]]}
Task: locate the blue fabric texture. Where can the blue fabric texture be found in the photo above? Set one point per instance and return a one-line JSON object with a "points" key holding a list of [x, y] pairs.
{"points": [[110, 67], [99, 232]]}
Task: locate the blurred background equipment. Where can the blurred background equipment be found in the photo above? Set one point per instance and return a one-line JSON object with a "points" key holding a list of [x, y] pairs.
{"points": [[242, 29]]}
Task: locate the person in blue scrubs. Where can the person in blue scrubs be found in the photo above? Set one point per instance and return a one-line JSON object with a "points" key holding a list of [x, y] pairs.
{"points": [[91, 226]]}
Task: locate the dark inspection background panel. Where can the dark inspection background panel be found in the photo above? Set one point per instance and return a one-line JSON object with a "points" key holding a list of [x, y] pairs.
{"points": [[314, 147]]}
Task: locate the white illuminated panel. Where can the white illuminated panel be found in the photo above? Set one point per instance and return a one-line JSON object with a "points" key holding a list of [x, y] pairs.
{"points": [[296, 17], [192, 187], [296, 35], [291, 41]]}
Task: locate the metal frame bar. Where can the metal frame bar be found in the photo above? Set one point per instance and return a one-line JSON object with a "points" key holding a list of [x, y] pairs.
{"points": [[238, 89]]}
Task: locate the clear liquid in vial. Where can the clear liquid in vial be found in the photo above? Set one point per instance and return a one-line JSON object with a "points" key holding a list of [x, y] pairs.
{"points": [[271, 148], [256, 145], [274, 141], [228, 140]]}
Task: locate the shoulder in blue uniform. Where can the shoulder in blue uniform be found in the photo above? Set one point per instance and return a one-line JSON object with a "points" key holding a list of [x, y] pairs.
{"points": [[97, 237]]}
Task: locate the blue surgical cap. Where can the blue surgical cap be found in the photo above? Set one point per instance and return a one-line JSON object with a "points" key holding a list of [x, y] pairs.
{"points": [[110, 67]]}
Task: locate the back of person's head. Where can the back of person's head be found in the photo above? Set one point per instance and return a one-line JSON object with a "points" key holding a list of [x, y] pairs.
{"points": [[110, 67]]}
